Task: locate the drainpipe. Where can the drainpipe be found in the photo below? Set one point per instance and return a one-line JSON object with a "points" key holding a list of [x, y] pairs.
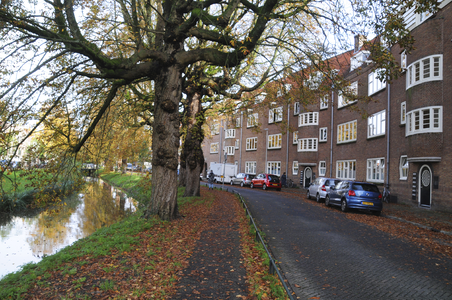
{"points": [[388, 131], [287, 152], [331, 133], [266, 149], [219, 144], [240, 142]]}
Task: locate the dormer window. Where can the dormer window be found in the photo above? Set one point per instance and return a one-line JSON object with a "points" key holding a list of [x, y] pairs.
{"points": [[357, 60]]}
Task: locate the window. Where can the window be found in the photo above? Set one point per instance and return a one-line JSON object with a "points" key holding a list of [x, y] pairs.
{"points": [[375, 84], [403, 60], [403, 112], [357, 60], [215, 128], [275, 115], [376, 124], [307, 145], [426, 69], [413, 19], [230, 134], [295, 137], [237, 122], [352, 90], [295, 168], [296, 108], [230, 150], [274, 141], [403, 167], [214, 148], [310, 118], [324, 102], [250, 167], [274, 167], [322, 168], [252, 120], [237, 144], [346, 132], [323, 134], [346, 169], [251, 143], [424, 120], [376, 169], [314, 80]]}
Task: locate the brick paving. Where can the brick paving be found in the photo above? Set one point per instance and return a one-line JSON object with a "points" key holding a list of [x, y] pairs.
{"points": [[323, 254]]}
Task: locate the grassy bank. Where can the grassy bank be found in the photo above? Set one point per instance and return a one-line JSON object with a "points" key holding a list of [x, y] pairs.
{"points": [[134, 258]]}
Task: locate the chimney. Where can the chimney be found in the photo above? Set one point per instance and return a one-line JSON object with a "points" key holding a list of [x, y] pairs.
{"points": [[358, 42]]}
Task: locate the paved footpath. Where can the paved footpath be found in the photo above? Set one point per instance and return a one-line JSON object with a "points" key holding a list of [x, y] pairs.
{"points": [[215, 270], [325, 255]]}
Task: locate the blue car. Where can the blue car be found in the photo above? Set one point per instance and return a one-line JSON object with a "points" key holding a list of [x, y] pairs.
{"points": [[355, 195]]}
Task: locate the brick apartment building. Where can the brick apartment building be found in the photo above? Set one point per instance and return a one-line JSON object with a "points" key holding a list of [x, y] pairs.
{"points": [[411, 153]]}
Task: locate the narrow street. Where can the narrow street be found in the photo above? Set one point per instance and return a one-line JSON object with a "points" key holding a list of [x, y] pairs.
{"points": [[323, 254]]}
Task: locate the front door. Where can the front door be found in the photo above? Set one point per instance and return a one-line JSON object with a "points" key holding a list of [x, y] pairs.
{"points": [[425, 186], [307, 177]]}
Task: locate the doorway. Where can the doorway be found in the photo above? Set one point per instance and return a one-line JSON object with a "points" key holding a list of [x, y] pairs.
{"points": [[425, 186], [307, 176]]}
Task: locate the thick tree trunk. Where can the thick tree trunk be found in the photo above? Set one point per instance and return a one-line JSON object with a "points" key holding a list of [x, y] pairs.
{"points": [[194, 157], [165, 143], [123, 165]]}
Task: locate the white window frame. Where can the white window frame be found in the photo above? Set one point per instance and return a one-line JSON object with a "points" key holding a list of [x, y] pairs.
{"points": [[323, 134], [376, 124], [274, 167], [346, 169], [375, 169], [342, 101], [237, 122], [295, 138], [417, 122], [295, 167], [214, 146], [252, 120], [403, 60], [403, 112], [307, 119], [347, 132], [424, 70], [251, 144], [324, 102], [250, 167], [237, 143], [229, 134], [275, 115], [322, 168], [403, 167], [296, 108], [374, 83], [215, 128], [230, 150], [307, 145], [357, 60], [274, 141]]}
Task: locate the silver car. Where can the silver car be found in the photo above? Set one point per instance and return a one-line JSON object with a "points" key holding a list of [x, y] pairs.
{"points": [[242, 179], [320, 187]]}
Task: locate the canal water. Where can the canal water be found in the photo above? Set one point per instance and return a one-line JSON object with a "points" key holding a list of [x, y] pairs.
{"points": [[27, 238]]}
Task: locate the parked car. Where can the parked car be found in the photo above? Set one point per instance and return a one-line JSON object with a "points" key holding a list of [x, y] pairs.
{"points": [[354, 194], [266, 181], [242, 179], [320, 187]]}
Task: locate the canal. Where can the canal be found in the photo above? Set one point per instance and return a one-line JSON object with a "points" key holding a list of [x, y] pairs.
{"points": [[28, 237]]}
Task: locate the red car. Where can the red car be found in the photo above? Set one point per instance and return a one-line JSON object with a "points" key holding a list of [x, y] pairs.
{"points": [[266, 181]]}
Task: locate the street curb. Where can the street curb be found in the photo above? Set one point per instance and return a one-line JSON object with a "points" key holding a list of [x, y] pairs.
{"points": [[418, 225]]}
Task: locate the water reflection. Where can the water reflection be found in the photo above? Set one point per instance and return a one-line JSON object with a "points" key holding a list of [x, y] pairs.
{"points": [[26, 239]]}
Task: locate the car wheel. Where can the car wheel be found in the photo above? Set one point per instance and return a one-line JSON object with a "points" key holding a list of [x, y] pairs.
{"points": [[344, 207], [251, 185], [232, 182], [264, 187], [308, 195], [241, 184], [317, 198], [377, 213], [327, 200]]}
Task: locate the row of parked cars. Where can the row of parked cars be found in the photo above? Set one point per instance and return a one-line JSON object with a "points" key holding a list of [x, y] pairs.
{"points": [[347, 194], [265, 181]]}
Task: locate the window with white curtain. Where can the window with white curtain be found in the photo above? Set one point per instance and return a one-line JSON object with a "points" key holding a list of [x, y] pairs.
{"points": [[376, 124]]}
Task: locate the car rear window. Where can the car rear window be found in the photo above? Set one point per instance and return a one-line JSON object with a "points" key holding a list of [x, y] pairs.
{"points": [[365, 187], [332, 182], [274, 179], [251, 176]]}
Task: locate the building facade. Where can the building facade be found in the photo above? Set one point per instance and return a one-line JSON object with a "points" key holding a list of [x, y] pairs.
{"points": [[398, 139]]}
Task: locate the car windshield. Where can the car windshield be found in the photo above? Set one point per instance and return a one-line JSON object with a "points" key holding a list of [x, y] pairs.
{"points": [[365, 187]]}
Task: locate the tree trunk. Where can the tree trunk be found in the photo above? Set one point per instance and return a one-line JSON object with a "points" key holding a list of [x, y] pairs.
{"points": [[123, 165], [182, 174], [165, 143], [194, 157]]}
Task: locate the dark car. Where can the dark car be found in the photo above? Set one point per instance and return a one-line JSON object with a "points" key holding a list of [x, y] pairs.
{"points": [[356, 195], [320, 187], [266, 181], [242, 179]]}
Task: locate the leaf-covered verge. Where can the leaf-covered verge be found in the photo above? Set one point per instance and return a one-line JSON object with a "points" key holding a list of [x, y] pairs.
{"points": [[136, 258]]}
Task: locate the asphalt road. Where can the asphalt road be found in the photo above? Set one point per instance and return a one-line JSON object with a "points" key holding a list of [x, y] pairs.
{"points": [[323, 254]]}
